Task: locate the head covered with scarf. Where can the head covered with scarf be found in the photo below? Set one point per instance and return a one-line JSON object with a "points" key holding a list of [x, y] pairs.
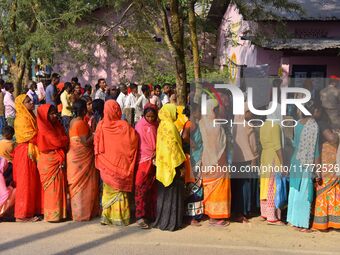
{"points": [[51, 136], [214, 137], [116, 145], [169, 152], [147, 132], [25, 126]]}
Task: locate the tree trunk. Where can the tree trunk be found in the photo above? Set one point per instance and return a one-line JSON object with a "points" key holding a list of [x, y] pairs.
{"points": [[195, 49], [17, 72], [194, 40], [176, 19]]}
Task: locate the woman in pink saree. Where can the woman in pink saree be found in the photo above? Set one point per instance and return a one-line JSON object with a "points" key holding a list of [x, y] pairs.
{"points": [[7, 193]]}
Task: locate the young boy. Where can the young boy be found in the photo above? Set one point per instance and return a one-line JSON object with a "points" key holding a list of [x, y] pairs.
{"points": [[6, 144], [9, 104]]}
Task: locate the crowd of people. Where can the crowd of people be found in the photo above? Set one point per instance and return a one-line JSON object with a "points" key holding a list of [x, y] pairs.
{"points": [[132, 153]]}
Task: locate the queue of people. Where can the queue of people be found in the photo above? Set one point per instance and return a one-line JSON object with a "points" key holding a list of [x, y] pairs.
{"points": [[77, 154]]}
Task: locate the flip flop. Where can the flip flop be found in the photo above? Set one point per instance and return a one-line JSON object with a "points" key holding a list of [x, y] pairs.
{"points": [[219, 223], [33, 219], [305, 230], [143, 225], [276, 223], [195, 223]]}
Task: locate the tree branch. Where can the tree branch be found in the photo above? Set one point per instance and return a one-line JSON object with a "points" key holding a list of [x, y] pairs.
{"points": [[113, 26]]}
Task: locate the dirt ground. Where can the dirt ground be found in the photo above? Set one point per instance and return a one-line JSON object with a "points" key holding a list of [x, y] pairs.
{"points": [[255, 237]]}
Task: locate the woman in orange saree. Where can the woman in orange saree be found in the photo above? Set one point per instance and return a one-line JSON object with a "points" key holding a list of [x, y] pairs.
{"points": [[82, 175], [327, 201], [25, 173], [116, 144], [52, 144], [216, 184]]}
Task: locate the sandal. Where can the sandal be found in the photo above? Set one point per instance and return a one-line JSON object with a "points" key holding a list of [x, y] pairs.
{"points": [[33, 219], [141, 223], [276, 223], [219, 223], [306, 230], [195, 223]]}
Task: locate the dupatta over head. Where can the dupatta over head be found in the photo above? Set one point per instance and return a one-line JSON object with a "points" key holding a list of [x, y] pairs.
{"points": [[147, 136], [214, 138], [25, 126], [116, 144], [25, 123], [169, 152], [50, 136]]}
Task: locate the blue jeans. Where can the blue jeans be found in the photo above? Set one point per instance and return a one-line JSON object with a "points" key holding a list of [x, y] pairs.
{"points": [[2, 124], [66, 122]]}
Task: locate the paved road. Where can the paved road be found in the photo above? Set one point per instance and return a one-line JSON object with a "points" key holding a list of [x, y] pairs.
{"points": [[91, 238]]}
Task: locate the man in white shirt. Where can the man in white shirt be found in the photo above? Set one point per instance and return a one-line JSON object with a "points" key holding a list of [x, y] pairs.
{"points": [[121, 100], [101, 92], [132, 97], [40, 91], [141, 102], [9, 104], [165, 97]]}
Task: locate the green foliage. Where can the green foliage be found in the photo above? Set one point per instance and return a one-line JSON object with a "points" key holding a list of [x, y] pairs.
{"points": [[37, 28]]}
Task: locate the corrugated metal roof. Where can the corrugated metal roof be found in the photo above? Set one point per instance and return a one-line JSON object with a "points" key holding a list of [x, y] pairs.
{"points": [[313, 10], [300, 44]]}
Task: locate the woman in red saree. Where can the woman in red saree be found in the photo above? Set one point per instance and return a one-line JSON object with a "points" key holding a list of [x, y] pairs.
{"points": [[82, 175], [145, 190], [25, 173], [116, 144], [52, 143]]}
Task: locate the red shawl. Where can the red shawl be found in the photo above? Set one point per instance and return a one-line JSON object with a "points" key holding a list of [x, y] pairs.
{"points": [[50, 137], [115, 144]]}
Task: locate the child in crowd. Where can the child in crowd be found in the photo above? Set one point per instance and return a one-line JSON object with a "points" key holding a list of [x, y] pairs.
{"points": [[7, 144], [6, 174], [7, 192], [9, 104]]}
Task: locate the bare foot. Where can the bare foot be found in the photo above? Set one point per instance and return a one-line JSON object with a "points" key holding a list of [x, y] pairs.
{"points": [[306, 230], [276, 223], [219, 223], [195, 223], [33, 219]]}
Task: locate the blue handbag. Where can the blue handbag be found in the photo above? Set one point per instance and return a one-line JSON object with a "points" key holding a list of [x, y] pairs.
{"points": [[281, 193]]}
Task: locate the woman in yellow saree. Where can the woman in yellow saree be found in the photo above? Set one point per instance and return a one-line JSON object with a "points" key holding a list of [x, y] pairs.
{"points": [[82, 175]]}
